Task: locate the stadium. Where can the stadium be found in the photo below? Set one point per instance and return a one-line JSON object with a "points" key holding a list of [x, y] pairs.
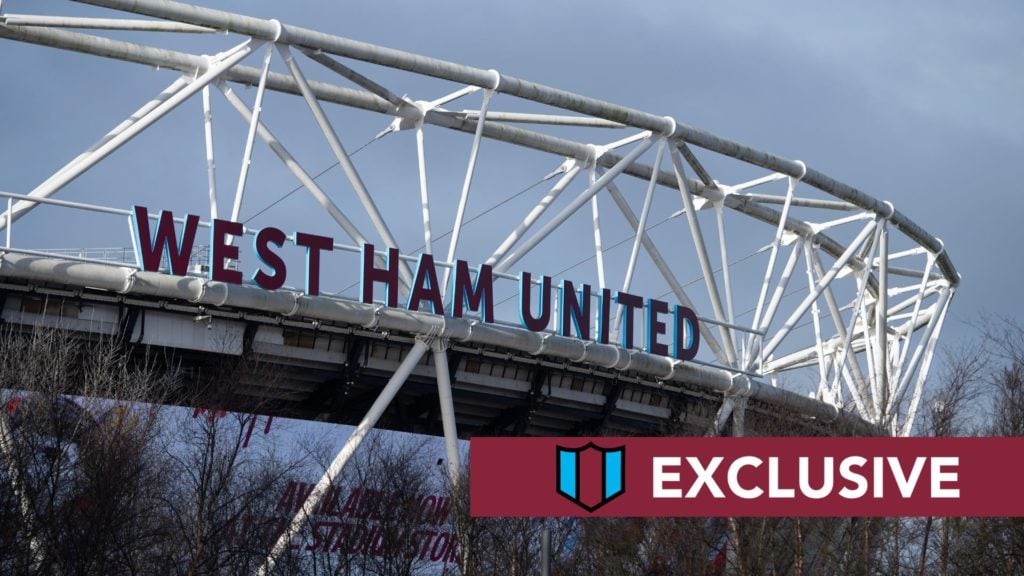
{"points": [[482, 254]]}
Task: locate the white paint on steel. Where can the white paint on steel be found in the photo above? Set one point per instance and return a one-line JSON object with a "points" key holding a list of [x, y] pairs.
{"points": [[444, 393], [867, 331], [250, 139], [312, 502], [157, 109]]}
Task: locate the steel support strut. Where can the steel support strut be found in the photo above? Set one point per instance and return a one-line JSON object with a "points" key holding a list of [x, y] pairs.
{"points": [[822, 284], [677, 289], [289, 161], [211, 165], [880, 387], [770, 272], [311, 503], [444, 394], [250, 138], [575, 205], [153, 111], [466, 184], [188, 63], [705, 262], [882, 323], [534, 214], [343, 157], [595, 216]]}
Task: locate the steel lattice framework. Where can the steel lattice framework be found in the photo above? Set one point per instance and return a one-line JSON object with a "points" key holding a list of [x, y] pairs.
{"points": [[845, 288]]}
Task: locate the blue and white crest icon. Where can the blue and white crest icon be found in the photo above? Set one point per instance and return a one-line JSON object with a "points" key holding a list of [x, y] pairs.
{"points": [[590, 476]]}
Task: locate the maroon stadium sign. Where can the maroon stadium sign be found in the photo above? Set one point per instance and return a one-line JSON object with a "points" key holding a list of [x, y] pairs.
{"points": [[469, 292]]}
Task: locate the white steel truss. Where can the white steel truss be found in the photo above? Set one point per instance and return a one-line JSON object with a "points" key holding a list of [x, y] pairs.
{"points": [[863, 326]]}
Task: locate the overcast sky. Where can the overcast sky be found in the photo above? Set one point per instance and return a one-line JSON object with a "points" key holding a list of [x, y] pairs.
{"points": [[916, 103]]}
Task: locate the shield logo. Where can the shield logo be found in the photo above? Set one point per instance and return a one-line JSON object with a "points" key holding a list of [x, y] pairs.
{"points": [[590, 476]]}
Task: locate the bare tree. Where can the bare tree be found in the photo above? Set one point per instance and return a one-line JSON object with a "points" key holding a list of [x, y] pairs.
{"points": [[82, 477]]}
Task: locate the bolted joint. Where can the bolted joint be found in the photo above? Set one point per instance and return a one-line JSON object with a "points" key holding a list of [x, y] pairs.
{"points": [[280, 35], [740, 386]]}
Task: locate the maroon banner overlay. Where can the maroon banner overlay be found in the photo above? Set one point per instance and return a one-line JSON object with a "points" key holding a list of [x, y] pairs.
{"points": [[746, 476]]}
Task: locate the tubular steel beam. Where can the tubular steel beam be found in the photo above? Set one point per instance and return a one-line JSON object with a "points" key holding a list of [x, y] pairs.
{"points": [[100, 23], [444, 394], [872, 290], [535, 213], [666, 272], [574, 206], [250, 139], [466, 184], [822, 285], [705, 264], [286, 303], [334, 470], [549, 119], [273, 30], [294, 167], [155, 110], [249, 76], [341, 154]]}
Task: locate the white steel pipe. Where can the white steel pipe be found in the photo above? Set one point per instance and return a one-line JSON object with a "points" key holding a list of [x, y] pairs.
{"points": [[905, 347], [101, 23], [574, 206], [211, 165], [823, 363], [935, 328], [818, 289], [595, 216], [421, 162], [921, 349], [528, 90], [534, 214], [460, 212], [644, 213], [296, 169], [250, 137], [726, 274], [444, 395], [707, 337], [344, 160], [809, 354], [357, 78], [867, 399], [882, 319], [702, 256], [770, 271], [548, 119], [80, 166], [187, 63], [757, 346], [44, 189], [333, 472], [837, 320]]}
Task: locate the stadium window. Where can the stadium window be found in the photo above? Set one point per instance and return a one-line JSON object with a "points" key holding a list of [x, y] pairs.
{"points": [[299, 339], [49, 307]]}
